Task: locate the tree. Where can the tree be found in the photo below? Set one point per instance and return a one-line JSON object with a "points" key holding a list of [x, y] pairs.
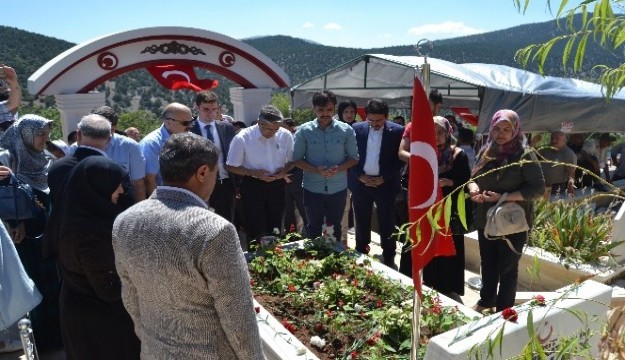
{"points": [[602, 26]]}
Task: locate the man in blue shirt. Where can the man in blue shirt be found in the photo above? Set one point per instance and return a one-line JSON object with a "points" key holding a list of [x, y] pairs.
{"points": [[125, 152], [177, 118], [324, 148]]}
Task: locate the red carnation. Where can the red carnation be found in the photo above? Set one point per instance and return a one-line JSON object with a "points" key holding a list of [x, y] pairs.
{"points": [[257, 309], [539, 300], [510, 314]]}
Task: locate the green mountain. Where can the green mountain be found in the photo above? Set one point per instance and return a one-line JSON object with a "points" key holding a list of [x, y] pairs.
{"points": [[300, 59]]}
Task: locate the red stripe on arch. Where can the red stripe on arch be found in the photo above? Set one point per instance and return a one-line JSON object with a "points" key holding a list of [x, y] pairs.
{"points": [[223, 71], [210, 67]]}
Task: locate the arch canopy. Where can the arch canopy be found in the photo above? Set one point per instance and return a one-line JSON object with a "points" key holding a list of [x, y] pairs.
{"points": [[87, 65]]}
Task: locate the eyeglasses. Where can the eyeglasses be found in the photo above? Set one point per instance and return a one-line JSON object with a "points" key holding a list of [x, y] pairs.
{"points": [[186, 123]]}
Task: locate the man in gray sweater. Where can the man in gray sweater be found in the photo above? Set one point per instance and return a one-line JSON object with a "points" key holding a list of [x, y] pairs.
{"points": [[184, 277]]}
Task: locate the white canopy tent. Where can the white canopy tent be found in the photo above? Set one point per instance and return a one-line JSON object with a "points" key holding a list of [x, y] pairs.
{"points": [[543, 103]]}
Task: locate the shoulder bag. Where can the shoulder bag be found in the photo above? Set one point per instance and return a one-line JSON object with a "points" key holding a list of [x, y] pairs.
{"points": [[503, 219], [18, 202]]}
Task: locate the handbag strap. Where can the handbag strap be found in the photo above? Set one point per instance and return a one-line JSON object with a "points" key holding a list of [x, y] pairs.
{"points": [[503, 198]]}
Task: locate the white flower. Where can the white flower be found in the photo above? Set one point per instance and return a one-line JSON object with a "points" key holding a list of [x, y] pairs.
{"points": [[300, 351], [357, 307], [317, 341]]}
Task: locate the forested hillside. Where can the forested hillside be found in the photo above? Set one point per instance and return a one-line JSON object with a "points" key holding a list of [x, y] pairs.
{"points": [[300, 59]]}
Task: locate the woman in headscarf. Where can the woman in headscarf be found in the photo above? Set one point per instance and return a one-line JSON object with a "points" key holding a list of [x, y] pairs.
{"points": [[445, 274], [25, 141], [506, 145], [94, 322]]}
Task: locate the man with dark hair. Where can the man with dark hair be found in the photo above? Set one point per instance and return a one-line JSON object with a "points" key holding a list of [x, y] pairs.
{"points": [[399, 120], [325, 148], [208, 125], [177, 118], [262, 155], [72, 137], [125, 152], [376, 178], [436, 101], [185, 281]]}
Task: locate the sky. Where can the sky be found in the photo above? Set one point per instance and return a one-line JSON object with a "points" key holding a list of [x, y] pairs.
{"points": [[343, 23]]}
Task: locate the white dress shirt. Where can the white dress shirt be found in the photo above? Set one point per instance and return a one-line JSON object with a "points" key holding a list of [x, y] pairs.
{"points": [[252, 150], [374, 145]]}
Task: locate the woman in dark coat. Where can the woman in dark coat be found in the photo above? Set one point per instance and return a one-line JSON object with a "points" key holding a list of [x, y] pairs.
{"points": [[94, 322], [445, 274], [506, 145], [25, 141]]}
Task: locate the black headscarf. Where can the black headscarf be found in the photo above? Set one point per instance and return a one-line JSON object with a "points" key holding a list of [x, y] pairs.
{"points": [[87, 194]]}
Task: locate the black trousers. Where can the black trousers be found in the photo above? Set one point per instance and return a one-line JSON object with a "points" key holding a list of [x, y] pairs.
{"points": [[500, 268], [222, 199], [363, 198], [294, 198], [263, 204]]}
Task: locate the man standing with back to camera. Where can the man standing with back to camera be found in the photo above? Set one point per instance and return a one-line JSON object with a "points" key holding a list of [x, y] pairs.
{"points": [[185, 280]]}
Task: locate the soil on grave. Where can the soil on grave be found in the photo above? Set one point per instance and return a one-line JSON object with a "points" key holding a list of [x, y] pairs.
{"points": [[336, 343]]}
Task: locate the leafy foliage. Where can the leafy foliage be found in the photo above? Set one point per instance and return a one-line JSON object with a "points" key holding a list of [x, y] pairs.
{"points": [[581, 28], [335, 296], [575, 233]]}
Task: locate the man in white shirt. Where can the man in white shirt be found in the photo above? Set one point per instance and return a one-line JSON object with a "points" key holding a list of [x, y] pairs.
{"points": [[262, 154]]}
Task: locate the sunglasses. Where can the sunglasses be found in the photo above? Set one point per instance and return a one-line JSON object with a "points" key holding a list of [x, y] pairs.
{"points": [[184, 123]]}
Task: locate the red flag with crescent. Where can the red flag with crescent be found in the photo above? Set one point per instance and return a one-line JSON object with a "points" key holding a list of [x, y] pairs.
{"points": [[423, 189], [176, 77]]}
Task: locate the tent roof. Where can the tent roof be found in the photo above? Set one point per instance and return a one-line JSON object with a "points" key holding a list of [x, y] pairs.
{"points": [[543, 102]]}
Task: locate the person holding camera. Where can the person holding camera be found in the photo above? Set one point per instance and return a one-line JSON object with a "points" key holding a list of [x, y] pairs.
{"points": [[10, 97]]}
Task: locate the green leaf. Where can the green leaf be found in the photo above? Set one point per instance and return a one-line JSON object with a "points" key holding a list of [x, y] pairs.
{"points": [[447, 211], [462, 213], [579, 56]]}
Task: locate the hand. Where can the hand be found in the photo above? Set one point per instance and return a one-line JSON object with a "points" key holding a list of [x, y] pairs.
{"points": [[18, 233], [262, 175], [443, 182], [11, 76], [4, 172], [491, 196]]}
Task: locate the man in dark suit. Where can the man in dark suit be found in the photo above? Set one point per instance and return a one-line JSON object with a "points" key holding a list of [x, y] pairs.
{"points": [[209, 125], [94, 132], [376, 177]]}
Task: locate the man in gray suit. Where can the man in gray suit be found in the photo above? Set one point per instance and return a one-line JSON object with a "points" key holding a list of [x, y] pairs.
{"points": [[184, 277]]}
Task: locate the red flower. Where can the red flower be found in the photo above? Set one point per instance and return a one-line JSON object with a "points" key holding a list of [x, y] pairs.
{"points": [[355, 282], [251, 282], [292, 288], [341, 303], [379, 304], [539, 300], [354, 355], [329, 313], [257, 309], [278, 250], [510, 314], [373, 339], [292, 228]]}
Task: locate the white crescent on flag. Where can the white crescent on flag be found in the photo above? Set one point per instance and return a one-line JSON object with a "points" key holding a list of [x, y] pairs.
{"points": [[166, 74], [427, 152]]}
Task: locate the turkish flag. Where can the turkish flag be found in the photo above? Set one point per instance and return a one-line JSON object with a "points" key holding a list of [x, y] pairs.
{"points": [[176, 77], [423, 189]]}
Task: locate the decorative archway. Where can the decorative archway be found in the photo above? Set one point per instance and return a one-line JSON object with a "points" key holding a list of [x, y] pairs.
{"points": [[72, 75]]}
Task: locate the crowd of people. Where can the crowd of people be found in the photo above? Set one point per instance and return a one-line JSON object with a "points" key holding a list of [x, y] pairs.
{"points": [[137, 253]]}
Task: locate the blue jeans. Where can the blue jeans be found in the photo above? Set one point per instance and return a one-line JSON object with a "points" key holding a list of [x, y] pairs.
{"points": [[320, 206]]}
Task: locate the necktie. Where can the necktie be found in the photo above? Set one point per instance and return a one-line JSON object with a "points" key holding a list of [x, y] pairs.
{"points": [[209, 134]]}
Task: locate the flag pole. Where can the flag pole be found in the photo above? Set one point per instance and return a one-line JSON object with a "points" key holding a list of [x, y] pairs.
{"points": [[423, 48]]}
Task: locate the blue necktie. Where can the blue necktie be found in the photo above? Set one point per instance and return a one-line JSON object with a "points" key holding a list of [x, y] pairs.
{"points": [[209, 134]]}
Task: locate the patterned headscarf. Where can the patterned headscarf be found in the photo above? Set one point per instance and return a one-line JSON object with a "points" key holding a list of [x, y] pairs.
{"points": [[27, 161], [445, 151], [501, 153]]}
